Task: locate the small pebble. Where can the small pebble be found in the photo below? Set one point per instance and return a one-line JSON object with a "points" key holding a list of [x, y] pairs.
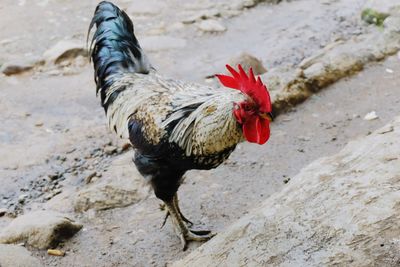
{"points": [[22, 198], [389, 71], [371, 116], [109, 150], [55, 252], [89, 177], [3, 212]]}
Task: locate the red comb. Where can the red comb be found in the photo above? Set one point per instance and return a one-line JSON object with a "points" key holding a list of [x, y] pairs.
{"points": [[248, 85]]}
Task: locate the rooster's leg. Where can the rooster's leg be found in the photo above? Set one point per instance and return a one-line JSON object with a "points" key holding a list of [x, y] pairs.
{"points": [[181, 227], [176, 204]]}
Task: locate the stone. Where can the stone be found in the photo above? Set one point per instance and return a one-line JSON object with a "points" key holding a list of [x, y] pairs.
{"points": [[248, 61], [341, 210], [39, 229], [19, 66], [386, 129], [109, 150], [211, 25], [56, 252], [201, 14], [65, 50], [159, 43], [17, 256], [108, 195], [371, 116], [89, 177], [242, 4], [3, 212], [120, 186], [15, 68], [22, 198]]}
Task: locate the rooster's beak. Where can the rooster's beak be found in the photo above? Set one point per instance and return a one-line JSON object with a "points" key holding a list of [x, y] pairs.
{"points": [[267, 115]]}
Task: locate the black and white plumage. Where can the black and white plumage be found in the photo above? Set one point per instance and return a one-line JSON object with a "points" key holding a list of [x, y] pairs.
{"points": [[173, 126]]}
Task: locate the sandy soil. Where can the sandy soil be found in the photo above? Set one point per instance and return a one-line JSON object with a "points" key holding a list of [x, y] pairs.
{"points": [[52, 121]]}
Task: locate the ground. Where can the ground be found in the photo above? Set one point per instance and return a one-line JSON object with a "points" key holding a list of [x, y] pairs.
{"points": [[54, 133]]}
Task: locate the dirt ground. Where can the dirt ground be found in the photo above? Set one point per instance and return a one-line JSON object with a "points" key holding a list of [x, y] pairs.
{"points": [[52, 120]]}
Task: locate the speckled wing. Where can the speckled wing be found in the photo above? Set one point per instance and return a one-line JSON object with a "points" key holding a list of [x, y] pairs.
{"points": [[210, 128]]}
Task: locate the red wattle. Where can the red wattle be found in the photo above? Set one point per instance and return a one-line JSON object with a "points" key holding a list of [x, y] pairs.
{"points": [[256, 130]]}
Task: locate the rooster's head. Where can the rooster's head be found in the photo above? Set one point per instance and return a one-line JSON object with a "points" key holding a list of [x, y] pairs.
{"points": [[254, 113]]}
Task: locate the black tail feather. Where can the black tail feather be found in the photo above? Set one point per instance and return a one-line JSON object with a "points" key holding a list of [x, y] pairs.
{"points": [[114, 48]]}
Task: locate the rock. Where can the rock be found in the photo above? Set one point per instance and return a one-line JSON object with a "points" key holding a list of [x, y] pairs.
{"points": [[18, 66], [389, 71], [89, 177], [54, 175], [201, 14], [248, 61], [17, 256], [371, 116], [148, 7], [342, 210], [120, 186], [65, 50], [242, 4], [249, 3], [211, 25], [386, 129], [304, 138], [15, 68], [3, 212], [39, 229], [56, 252], [109, 150], [108, 195], [22, 198], [158, 43], [57, 191], [48, 196]]}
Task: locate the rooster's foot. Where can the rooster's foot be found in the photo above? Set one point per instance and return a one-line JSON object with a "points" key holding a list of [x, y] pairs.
{"points": [[192, 235], [181, 224]]}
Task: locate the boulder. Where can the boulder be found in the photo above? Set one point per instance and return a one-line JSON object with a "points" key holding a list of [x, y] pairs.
{"points": [[17, 256], [39, 229], [342, 210]]}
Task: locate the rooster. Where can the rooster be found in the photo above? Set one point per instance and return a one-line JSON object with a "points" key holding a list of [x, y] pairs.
{"points": [[174, 126]]}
